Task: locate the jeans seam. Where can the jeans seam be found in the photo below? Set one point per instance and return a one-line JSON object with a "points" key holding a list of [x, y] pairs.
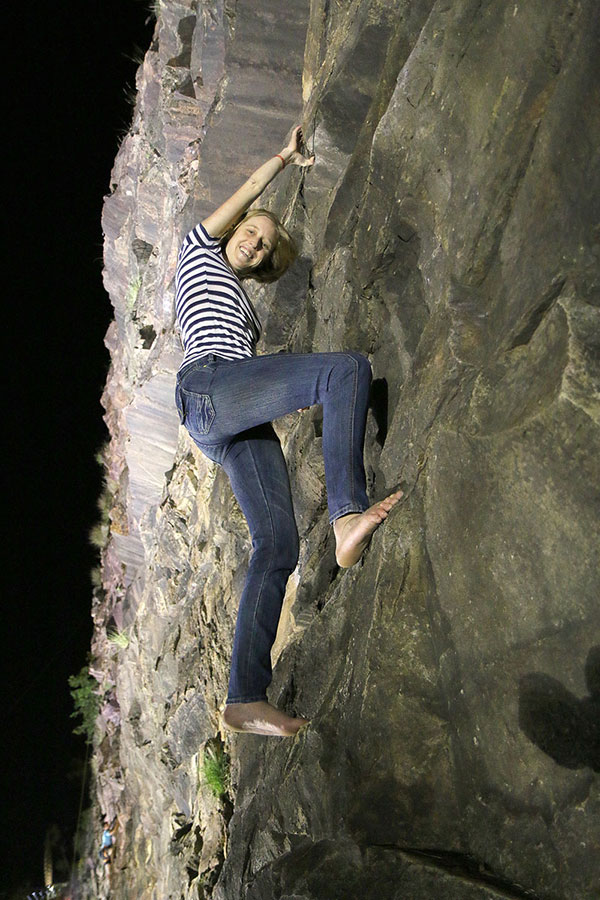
{"points": [[351, 436], [351, 447], [262, 583]]}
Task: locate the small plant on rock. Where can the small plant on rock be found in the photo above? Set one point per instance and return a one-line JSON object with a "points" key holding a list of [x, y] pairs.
{"points": [[215, 770], [120, 638], [136, 283], [101, 454], [99, 535], [84, 690], [154, 8], [96, 577]]}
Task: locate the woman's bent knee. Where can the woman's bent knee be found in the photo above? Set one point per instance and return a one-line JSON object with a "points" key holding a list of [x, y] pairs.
{"points": [[362, 361], [364, 366]]}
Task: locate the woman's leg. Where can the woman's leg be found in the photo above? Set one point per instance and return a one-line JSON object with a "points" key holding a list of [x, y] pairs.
{"points": [[259, 478], [220, 402], [245, 393]]}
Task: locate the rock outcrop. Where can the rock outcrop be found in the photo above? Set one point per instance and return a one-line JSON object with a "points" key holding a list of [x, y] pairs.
{"points": [[449, 231]]}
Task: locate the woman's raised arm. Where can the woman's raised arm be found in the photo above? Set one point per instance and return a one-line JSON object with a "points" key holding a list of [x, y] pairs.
{"points": [[219, 221]]}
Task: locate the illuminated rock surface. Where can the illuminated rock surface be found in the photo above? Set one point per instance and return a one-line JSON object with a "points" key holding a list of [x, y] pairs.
{"points": [[449, 231]]}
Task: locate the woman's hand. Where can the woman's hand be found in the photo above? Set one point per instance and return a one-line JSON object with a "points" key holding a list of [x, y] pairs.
{"points": [[229, 212], [293, 152]]}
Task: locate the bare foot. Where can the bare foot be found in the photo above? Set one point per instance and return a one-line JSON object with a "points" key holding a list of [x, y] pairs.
{"points": [[260, 718], [353, 532]]}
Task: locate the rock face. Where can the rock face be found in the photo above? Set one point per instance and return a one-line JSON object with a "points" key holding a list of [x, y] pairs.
{"points": [[449, 231]]}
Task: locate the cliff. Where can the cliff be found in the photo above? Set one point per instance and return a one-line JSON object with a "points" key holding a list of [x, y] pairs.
{"points": [[449, 231]]}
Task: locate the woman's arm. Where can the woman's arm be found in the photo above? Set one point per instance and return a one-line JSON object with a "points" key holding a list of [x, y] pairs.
{"points": [[219, 221]]}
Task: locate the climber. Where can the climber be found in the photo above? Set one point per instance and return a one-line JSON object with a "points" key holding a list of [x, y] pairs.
{"points": [[227, 397], [108, 845]]}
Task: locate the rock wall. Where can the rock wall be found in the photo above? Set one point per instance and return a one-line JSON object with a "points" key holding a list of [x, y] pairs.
{"points": [[449, 231]]}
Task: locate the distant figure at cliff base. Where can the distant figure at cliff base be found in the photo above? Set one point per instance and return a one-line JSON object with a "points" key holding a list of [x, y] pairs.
{"points": [[227, 397]]}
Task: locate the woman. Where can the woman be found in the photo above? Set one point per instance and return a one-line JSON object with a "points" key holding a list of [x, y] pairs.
{"points": [[227, 397]]}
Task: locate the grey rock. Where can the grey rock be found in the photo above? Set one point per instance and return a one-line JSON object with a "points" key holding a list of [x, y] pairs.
{"points": [[449, 230]]}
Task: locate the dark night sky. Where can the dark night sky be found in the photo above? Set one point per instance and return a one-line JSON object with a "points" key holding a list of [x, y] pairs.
{"points": [[67, 109]]}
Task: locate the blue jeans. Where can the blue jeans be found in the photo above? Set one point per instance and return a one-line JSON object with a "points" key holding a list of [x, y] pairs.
{"points": [[227, 407]]}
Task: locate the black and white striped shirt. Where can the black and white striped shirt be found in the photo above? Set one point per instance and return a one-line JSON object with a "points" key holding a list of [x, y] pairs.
{"points": [[213, 310]]}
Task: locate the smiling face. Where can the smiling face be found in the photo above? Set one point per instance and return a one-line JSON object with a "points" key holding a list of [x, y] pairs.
{"points": [[250, 244]]}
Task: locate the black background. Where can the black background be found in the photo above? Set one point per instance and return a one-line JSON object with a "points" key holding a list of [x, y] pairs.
{"points": [[66, 70]]}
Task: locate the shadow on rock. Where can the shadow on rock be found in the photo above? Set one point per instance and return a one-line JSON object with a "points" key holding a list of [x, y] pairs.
{"points": [[560, 724], [378, 401]]}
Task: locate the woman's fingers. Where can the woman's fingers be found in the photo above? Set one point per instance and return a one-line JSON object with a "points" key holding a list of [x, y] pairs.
{"points": [[298, 159], [295, 139]]}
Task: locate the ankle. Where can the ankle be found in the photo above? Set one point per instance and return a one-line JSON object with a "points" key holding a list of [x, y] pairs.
{"points": [[340, 524]]}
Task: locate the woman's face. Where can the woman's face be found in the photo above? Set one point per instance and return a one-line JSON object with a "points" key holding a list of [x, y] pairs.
{"points": [[250, 244]]}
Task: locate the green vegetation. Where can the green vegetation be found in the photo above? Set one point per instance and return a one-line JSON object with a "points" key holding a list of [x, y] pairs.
{"points": [[120, 638], [98, 535], [87, 702], [96, 577], [105, 500], [101, 454], [137, 55], [214, 768], [100, 532], [130, 95], [136, 283]]}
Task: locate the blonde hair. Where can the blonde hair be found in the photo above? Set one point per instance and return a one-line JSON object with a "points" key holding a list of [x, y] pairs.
{"points": [[281, 256]]}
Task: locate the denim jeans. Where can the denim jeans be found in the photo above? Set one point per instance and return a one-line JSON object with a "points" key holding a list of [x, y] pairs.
{"points": [[227, 407]]}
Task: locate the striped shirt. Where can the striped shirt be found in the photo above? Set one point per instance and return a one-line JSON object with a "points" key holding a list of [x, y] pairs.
{"points": [[213, 310]]}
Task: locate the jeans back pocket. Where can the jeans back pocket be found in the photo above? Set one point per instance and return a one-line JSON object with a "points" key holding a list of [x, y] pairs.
{"points": [[179, 404], [196, 411]]}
